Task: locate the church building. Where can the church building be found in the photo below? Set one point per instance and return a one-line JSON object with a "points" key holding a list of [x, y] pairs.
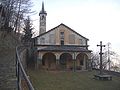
{"points": [[61, 48]]}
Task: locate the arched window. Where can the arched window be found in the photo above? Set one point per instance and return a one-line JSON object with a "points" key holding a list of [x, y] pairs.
{"points": [[42, 17]]}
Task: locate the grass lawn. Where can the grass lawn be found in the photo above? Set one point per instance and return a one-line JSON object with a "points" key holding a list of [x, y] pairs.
{"points": [[57, 80]]}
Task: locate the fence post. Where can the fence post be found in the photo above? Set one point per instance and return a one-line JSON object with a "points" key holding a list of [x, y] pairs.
{"points": [[16, 65], [18, 77]]}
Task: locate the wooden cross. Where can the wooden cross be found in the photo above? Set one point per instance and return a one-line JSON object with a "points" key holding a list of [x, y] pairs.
{"points": [[101, 66]]}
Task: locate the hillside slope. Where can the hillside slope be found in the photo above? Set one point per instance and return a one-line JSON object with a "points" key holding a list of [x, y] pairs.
{"points": [[8, 42]]}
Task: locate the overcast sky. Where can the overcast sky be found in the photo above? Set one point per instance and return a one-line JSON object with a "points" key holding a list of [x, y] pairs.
{"points": [[97, 20]]}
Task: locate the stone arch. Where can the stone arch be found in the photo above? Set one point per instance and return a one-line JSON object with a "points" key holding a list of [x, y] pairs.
{"points": [[65, 61], [49, 61], [82, 61]]}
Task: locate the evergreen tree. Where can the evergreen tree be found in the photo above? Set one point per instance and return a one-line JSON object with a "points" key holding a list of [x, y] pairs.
{"points": [[27, 30]]}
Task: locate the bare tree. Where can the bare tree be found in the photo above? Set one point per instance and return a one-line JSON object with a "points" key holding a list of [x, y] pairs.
{"points": [[95, 60], [23, 9], [15, 12], [107, 59]]}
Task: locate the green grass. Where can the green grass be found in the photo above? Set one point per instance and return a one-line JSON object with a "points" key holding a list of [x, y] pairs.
{"points": [[56, 80]]}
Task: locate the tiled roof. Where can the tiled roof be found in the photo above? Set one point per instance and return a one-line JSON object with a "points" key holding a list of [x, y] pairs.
{"points": [[64, 48]]}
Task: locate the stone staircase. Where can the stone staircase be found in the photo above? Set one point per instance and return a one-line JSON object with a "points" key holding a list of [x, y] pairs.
{"points": [[8, 80]]}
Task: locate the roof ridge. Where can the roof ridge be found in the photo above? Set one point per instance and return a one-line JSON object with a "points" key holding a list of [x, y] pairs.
{"points": [[66, 27]]}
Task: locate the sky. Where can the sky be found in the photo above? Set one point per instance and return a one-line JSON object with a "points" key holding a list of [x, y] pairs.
{"points": [[97, 20]]}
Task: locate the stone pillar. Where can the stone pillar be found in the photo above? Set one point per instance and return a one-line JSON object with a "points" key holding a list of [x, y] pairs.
{"points": [[89, 64], [57, 61], [84, 63], [38, 61], [89, 61], [74, 61]]}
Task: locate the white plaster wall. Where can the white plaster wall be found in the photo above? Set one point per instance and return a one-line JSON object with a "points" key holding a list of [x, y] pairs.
{"points": [[77, 37], [56, 32], [46, 37]]}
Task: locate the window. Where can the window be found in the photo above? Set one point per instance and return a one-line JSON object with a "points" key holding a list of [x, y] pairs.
{"points": [[62, 42], [62, 38], [42, 17], [61, 35]]}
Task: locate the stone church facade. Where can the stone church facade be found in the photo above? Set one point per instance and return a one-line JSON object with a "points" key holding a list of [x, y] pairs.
{"points": [[61, 48]]}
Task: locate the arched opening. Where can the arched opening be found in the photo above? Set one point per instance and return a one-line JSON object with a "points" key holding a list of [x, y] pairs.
{"points": [[66, 61], [82, 60], [49, 61]]}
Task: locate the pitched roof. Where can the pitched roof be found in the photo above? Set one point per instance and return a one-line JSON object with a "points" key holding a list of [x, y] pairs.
{"points": [[64, 26], [64, 48]]}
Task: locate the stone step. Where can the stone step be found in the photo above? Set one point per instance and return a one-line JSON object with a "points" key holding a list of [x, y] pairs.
{"points": [[8, 80]]}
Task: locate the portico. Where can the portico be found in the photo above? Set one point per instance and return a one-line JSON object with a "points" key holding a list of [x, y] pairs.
{"points": [[52, 59]]}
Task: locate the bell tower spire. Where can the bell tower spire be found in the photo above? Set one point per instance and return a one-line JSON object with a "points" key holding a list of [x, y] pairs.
{"points": [[42, 25], [43, 6]]}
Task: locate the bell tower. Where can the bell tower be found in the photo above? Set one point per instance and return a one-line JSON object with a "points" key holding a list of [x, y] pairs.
{"points": [[42, 22]]}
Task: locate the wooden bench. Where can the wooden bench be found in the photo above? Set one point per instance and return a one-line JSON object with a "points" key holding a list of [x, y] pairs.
{"points": [[103, 77]]}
